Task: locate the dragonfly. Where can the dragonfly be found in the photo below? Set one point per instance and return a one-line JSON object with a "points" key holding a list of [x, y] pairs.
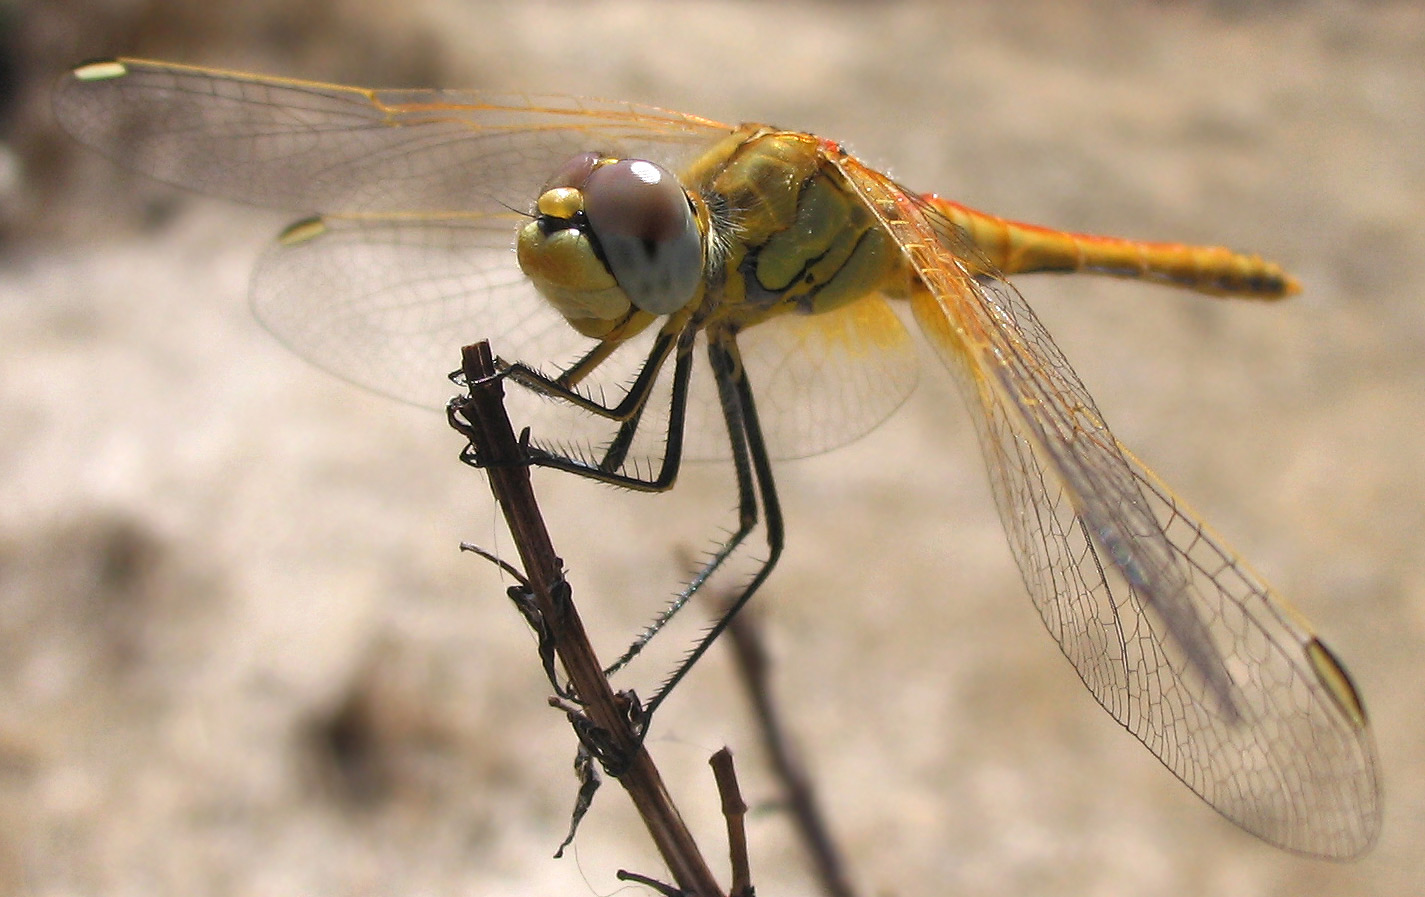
{"points": [[691, 289]]}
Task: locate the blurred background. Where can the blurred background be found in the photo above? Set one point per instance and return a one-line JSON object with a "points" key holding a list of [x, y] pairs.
{"points": [[241, 654]]}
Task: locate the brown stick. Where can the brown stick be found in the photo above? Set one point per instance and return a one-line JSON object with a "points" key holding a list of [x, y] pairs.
{"points": [[482, 418], [751, 662], [734, 811]]}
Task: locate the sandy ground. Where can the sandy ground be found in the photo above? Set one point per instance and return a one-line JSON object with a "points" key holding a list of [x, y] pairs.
{"points": [[240, 654]]}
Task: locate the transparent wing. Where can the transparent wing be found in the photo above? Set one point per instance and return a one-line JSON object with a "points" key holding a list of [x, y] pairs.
{"points": [[310, 147], [820, 381], [387, 303], [413, 255], [1171, 632]]}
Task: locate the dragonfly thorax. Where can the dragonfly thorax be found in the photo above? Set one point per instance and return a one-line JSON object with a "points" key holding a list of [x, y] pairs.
{"points": [[804, 241], [611, 238]]}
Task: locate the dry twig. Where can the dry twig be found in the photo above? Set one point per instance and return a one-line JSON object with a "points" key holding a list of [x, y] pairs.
{"points": [[608, 727], [751, 661]]}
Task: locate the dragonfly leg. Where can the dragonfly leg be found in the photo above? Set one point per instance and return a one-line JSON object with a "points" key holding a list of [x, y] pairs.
{"points": [[628, 413], [751, 464], [564, 387], [746, 504], [754, 480]]}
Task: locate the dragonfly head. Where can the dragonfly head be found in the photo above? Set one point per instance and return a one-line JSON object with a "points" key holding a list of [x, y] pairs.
{"points": [[610, 238]]}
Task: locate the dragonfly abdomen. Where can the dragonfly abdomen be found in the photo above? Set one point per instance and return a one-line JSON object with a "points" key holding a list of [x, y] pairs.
{"points": [[1017, 248]]}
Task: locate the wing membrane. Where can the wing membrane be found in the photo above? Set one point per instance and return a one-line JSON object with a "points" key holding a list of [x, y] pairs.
{"points": [[1175, 637], [412, 256], [387, 302], [310, 147], [821, 381]]}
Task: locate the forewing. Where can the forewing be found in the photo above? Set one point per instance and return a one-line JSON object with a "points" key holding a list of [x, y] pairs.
{"points": [[1174, 636], [1297, 766], [310, 147], [413, 256]]}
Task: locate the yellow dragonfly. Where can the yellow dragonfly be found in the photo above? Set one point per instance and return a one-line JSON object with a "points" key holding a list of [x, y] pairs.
{"points": [[656, 271]]}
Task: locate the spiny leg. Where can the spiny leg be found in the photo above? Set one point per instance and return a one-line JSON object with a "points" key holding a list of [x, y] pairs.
{"points": [[722, 366], [754, 478], [629, 414], [755, 449], [750, 461], [565, 386]]}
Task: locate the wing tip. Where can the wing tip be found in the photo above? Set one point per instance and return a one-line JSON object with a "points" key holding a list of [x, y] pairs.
{"points": [[302, 231], [99, 70]]}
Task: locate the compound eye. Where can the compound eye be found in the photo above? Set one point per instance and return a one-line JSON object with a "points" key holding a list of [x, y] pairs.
{"points": [[641, 219], [574, 172]]}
